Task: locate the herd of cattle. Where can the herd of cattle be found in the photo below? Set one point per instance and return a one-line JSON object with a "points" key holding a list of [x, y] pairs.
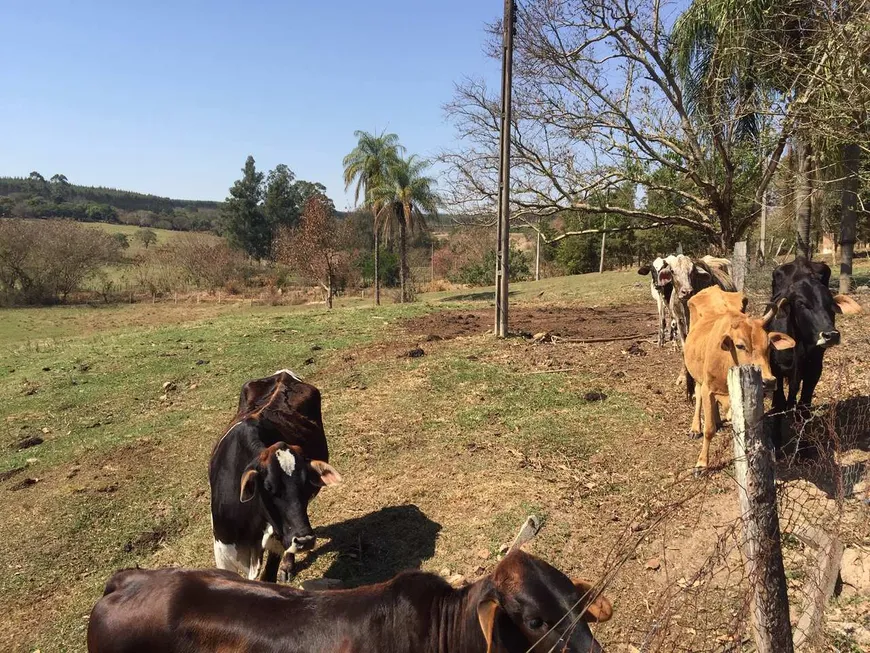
{"points": [[273, 460], [263, 472], [699, 305]]}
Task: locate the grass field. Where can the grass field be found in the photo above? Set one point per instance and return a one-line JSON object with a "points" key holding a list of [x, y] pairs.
{"points": [[443, 456], [164, 236]]}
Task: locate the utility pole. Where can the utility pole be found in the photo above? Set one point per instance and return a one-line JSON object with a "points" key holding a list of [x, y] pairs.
{"points": [[503, 253], [603, 240], [538, 253]]}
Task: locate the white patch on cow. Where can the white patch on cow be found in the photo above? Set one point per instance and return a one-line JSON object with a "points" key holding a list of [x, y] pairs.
{"points": [[287, 461], [243, 560], [821, 342], [270, 542], [290, 372]]}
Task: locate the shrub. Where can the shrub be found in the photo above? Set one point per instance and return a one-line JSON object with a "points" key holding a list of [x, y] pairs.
{"points": [[482, 273], [207, 262], [43, 262]]}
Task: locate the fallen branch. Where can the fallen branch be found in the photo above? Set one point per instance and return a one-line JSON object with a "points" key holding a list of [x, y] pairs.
{"points": [[637, 336], [528, 530], [564, 369]]}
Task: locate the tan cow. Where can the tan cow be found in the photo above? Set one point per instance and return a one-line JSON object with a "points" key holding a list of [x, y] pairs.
{"points": [[720, 338]]}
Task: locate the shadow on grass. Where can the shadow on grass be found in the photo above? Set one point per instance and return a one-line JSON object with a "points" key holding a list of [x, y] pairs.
{"points": [[812, 444], [377, 546]]}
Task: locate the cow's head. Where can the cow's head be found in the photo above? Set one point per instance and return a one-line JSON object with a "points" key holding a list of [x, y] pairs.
{"points": [[810, 306], [284, 481], [660, 272], [689, 276], [528, 605], [749, 344]]}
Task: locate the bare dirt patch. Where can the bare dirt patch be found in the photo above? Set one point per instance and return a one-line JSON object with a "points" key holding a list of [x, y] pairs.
{"points": [[563, 321]]}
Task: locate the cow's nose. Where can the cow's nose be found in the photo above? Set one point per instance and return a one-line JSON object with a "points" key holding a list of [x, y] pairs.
{"points": [[684, 292], [302, 542], [829, 338]]}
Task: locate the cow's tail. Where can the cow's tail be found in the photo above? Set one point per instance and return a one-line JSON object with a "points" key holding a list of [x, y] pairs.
{"points": [[690, 386]]}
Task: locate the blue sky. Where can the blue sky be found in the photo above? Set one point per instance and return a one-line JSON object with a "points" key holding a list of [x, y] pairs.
{"points": [[170, 97]]}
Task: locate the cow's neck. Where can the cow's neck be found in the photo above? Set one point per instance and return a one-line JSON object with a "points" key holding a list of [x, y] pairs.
{"points": [[458, 629]]}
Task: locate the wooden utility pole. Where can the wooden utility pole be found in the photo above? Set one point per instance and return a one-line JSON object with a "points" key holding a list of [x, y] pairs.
{"points": [[503, 252], [762, 543], [739, 265], [603, 241]]}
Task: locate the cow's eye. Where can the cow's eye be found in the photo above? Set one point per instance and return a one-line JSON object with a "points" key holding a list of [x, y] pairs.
{"points": [[535, 623], [270, 487], [740, 347]]}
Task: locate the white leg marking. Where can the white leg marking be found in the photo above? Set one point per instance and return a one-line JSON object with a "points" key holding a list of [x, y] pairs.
{"points": [[242, 560]]}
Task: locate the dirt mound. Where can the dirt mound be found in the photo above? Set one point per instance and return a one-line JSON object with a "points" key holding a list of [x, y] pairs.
{"points": [[562, 321]]}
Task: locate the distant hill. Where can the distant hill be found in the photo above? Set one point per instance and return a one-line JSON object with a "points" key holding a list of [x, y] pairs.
{"points": [[36, 197]]}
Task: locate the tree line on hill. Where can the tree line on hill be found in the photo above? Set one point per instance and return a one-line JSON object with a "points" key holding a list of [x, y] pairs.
{"points": [[36, 197]]}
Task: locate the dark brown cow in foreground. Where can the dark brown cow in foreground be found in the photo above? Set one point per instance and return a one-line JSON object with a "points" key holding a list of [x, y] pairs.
{"points": [[524, 605], [263, 472]]}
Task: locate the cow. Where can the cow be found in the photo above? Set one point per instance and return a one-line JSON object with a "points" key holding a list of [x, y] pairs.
{"points": [[263, 472], [523, 605], [661, 286], [808, 317], [690, 277], [721, 335]]}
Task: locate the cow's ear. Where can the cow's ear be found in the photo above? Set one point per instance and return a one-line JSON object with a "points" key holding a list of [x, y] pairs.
{"points": [[487, 613], [780, 340], [700, 270], [847, 305], [726, 343], [324, 473], [249, 485], [597, 611], [643, 270]]}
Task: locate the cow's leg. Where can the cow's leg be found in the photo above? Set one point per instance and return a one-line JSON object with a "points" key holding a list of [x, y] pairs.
{"points": [[274, 557], [709, 405], [659, 300], [270, 567], [287, 568], [695, 431], [243, 560], [794, 385], [812, 372], [779, 395]]}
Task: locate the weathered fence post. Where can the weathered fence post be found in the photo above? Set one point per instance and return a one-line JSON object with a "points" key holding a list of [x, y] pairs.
{"points": [[762, 547], [739, 264]]}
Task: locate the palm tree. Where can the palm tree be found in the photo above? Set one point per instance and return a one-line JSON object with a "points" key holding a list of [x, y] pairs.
{"points": [[739, 53], [406, 197], [367, 166]]}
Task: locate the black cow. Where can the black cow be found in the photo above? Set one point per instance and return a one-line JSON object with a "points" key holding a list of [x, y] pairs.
{"points": [[263, 472], [524, 605], [807, 315]]}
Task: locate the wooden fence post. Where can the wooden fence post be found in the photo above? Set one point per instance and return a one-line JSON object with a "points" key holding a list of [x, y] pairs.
{"points": [[762, 546], [739, 265]]}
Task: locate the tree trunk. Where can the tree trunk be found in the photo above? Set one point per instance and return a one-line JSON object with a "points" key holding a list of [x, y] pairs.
{"points": [[848, 216], [377, 266], [803, 198], [403, 256]]}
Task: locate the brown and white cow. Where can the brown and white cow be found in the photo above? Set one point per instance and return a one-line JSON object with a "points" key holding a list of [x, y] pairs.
{"points": [[263, 472], [524, 605], [720, 337]]}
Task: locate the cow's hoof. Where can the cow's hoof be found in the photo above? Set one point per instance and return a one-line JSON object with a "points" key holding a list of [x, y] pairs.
{"points": [[695, 435], [700, 472]]}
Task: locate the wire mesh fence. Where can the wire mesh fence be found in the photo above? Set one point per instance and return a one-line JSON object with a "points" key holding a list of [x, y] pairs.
{"points": [[700, 593]]}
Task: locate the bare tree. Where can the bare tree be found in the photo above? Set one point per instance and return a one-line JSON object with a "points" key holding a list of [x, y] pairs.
{"points": [[314, 248], [594, 81]]}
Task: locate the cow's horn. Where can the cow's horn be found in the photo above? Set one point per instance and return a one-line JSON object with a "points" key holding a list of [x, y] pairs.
{"points": [[528, 530], [773, 310]]}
